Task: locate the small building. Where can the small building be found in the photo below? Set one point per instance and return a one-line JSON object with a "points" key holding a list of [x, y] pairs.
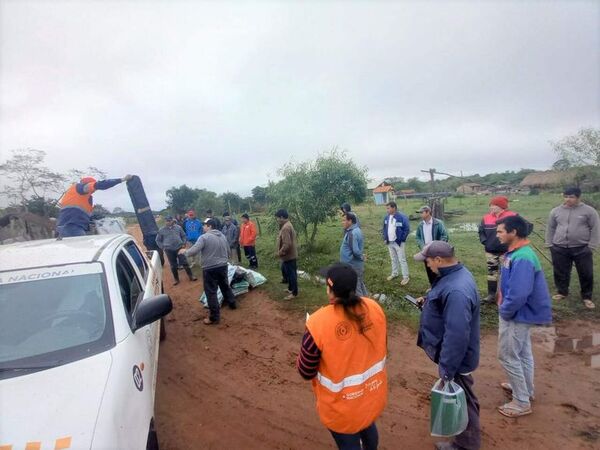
{"points": [[550, 179], [470, 188], [384, 193]]}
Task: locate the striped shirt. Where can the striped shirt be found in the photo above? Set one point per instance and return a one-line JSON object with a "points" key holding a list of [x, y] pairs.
{"points": [[308, 358]]}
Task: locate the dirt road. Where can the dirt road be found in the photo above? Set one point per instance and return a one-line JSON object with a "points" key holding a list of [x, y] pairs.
{"points": [[234, 386]]}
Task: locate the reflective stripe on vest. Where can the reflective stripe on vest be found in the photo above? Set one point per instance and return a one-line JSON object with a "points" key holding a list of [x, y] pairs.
{"points": [[353, 380], [351, 384]]}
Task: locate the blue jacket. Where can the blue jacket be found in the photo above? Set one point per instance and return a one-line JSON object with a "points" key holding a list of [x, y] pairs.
{"points": [[193, 229], [402, 228], [449, 328], [524, 293], [351, 250]]}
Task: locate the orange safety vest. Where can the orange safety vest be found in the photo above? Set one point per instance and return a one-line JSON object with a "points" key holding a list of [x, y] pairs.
{"points": [[351, 386], [73, 199]]}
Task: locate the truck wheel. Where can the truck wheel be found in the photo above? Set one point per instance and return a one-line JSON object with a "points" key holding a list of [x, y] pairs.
{"points": [[163, 330], [152, 442]]}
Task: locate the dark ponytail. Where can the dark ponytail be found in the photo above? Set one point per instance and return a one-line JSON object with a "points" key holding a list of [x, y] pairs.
{"points": [[354, 309]]}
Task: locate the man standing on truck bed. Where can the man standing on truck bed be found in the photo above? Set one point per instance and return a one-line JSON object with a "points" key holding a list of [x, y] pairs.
{"points": [[77, 204]]}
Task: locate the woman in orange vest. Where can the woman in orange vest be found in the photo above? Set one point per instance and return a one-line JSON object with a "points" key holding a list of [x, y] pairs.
{"points": [[343, 352]]}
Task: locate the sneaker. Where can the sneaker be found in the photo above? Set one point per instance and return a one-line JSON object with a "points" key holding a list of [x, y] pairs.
{"points": [[193, 279], [558, 297], [391, 277], [404, 281], [176, 283], [290, 297], [232, 305], [207, 321], [287, 291]]}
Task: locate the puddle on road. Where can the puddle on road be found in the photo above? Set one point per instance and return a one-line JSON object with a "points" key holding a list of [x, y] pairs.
{"points": [[468, 227], [552, 342]]}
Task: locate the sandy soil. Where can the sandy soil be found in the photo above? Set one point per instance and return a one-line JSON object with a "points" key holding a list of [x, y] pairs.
{"points": [[234, 386]]}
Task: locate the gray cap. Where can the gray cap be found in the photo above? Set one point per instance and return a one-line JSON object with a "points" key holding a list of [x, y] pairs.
{"points": [[433, 249], [424, 208]]}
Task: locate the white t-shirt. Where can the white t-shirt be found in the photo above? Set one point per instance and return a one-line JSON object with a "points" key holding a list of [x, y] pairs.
{"points": [[428, 231], [391, 231]]}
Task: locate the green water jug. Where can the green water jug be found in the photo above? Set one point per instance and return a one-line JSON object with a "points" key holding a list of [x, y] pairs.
{"points": [[448, 409]]}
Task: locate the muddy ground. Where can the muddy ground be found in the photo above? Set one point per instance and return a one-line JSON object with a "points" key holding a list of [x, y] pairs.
{"points": [[235, 386]]}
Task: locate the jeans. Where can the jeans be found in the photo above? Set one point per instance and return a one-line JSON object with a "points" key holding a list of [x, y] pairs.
{"points": [[216, 278], [516, 357], [250, 252], [369, 438], [361, 289], [562, 262], [289, 270], [469, 439], [398, 256]]}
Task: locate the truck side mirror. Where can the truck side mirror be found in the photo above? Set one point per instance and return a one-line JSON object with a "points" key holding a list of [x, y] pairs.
{"points": [[150, 310]]}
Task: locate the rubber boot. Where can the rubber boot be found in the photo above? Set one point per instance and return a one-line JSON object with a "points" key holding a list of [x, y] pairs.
{"points": [[492, 288]]}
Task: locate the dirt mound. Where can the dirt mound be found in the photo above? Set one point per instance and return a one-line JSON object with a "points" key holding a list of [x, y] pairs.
{"points": [[234, 386], [22, 226]]}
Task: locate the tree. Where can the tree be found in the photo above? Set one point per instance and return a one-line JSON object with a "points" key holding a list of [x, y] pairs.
{"points": [[231, 201], [30, 178], [181, 199], [580, 149], [561, 165], [118, 210], [313, 191], [259, 195], [42, 206], [100, 210], [207, 200]]}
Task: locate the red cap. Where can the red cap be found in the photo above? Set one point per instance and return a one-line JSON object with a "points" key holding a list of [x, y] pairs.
{"points": [[86, 180], [500, 201]]}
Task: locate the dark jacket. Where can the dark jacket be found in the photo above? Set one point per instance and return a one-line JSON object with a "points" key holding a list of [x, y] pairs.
{"points": [[287, 243], [438, 230], [402, 228], [449, 329], [487, 232]]}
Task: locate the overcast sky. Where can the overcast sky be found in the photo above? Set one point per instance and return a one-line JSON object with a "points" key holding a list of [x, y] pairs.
{"points": [[218, 95]]}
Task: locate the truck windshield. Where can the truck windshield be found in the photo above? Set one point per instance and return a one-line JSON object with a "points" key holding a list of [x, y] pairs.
{"points": [[51, 316]]}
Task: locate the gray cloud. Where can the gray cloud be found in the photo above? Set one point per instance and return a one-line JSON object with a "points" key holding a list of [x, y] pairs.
{"points": [[221, 94]]}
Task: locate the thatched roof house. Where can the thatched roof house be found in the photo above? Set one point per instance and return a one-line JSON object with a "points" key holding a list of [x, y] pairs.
{"points": [[548, 179]]}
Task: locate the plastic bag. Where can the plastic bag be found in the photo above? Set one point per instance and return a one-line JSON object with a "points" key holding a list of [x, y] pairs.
{"points": [[448, 409]]}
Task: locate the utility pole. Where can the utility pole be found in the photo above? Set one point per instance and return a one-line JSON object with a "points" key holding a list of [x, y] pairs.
{"points": [[431, 173]]}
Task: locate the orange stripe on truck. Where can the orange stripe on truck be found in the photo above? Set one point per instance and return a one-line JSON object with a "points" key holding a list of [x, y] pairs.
{"points": [[33, 446]]}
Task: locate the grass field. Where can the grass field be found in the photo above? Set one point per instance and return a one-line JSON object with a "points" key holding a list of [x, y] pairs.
{"points": [[463, 235]]}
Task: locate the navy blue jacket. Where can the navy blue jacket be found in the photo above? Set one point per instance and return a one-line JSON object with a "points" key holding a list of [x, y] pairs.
{"points": [[402, 228], [449, 329]]}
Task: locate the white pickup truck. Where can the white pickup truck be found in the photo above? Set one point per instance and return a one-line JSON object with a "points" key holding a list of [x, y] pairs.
{"points": [[79, 336]]}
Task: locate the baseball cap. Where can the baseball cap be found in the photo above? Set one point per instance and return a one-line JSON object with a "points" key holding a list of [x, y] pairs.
{"points": [[341, 278], [424, 208], [433, 249]]}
